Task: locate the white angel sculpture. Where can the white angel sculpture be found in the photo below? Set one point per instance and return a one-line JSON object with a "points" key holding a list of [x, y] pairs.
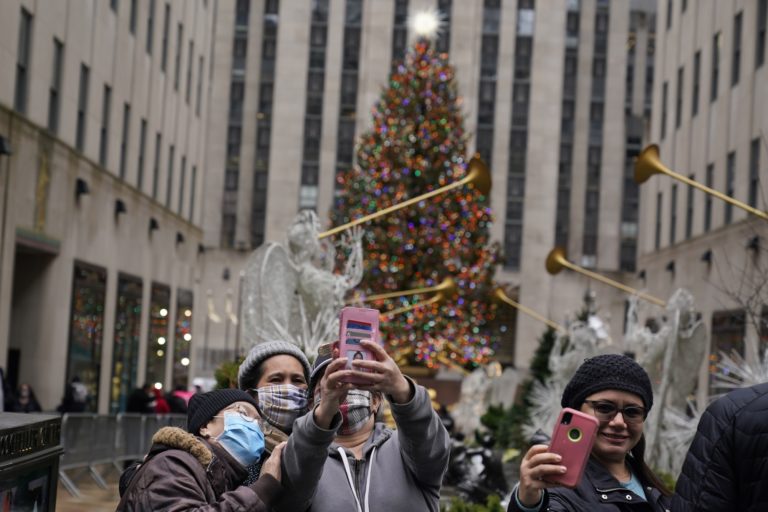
{"points": [[292, 293]]}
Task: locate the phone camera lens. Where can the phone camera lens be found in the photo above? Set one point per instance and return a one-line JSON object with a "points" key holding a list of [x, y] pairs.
{"points": [[574, 434]]}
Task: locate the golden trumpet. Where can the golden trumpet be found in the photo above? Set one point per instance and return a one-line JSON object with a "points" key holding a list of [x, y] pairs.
{"points": [[479, 176], [502, 296], [439, 298], [557, 261], [447, 285], [648, 164]]}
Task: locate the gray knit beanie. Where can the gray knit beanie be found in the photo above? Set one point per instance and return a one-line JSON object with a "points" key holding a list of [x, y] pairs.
{"points": [[263, 351]]}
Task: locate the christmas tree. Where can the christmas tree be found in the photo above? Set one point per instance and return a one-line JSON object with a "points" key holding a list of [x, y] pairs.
{"points": [[416, 145]]}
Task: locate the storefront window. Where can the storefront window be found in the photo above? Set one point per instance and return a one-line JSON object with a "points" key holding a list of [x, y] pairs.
{"points": [[86, 330], [182, 339], [157, 341], [125, 354]]}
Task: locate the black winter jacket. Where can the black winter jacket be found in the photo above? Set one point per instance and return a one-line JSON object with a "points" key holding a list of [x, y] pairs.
{"points": [[599, 491], [727, 464]]}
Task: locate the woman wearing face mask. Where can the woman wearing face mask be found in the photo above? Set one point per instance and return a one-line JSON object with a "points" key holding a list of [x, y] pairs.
{"points": [[208, 467], [356, 463], [276, 375], [617, 391]]}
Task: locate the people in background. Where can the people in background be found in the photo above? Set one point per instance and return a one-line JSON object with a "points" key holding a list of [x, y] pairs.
{"points": [[25, 400], [75, 397], [727, 464], [141, 400], [208, 467], [617, 391]]}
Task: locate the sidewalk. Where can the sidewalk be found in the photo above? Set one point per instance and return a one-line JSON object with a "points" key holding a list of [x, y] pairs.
{"points": [[93, 498]]}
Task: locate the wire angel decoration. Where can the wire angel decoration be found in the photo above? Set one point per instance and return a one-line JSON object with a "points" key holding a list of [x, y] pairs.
{"points": [[291, 291]]}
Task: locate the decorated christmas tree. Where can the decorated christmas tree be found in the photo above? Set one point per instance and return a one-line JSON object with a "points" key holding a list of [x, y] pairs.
{"points": [[416, 145]]}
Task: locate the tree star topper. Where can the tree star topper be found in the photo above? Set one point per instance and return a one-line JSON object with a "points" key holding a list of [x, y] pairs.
{"points": [[426, 23]]}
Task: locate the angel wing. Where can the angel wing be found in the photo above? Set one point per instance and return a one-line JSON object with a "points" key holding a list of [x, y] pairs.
{"points": [[270, 300]]}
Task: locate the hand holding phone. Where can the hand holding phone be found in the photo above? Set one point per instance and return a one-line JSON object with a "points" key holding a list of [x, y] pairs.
{"points": [[355, 326], [572, 439]]}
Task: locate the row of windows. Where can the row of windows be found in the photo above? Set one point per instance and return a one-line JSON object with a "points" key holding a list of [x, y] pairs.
{"points": [[753, 196], [735, 71], [84, 86]]}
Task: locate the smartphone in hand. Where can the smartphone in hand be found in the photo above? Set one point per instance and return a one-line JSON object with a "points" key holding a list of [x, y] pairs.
{"points": [[572, 439], [356, 325]]}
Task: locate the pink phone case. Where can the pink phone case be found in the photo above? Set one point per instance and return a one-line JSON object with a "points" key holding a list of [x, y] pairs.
{"points": [[355, 325], [572, 439]]}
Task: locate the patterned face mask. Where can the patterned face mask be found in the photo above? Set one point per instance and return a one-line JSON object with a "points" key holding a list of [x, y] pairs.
{"points": [[355, 411], [281, 404]]}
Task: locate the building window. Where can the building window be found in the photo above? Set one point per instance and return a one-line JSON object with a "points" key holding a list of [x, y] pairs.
{"points": [[192, 192], [730, 177], [132, 18], [443, 44], [689, 210], [696, 85], [190, 58], [716, 41], [657, 238], [399, 30], [150, 26], [670, 9], [54, 96], [754, 171], [113, 4], [736, 59], [125, 356], [159, 316], [679, 98], [124, 141], [673, 215], [762, 25], [199, 94], [489, 51], [23, 59], [156, 165], [86, 328], [106, 108], [82, 106], [182, 179], [166, 28], [169, 180], [177, 63], [708, 198], [728, 330], [182, 342], [140, 166], [664, 88]]}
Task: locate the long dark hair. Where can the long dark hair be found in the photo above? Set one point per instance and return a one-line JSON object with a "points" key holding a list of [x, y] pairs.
{"points": [[647, 476]]}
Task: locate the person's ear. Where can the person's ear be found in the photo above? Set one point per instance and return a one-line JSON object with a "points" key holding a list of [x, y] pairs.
{"points": [[204, 431], [375, 402]]}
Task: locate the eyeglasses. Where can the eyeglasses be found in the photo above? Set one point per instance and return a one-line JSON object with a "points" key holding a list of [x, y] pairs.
{"points": [[606, 411], [243, 414]]}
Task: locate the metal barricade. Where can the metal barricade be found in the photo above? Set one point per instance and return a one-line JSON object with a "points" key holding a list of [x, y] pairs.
{"points": [[90, 440]]}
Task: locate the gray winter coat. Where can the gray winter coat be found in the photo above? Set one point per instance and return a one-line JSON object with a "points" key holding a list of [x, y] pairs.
{"points": [[405, 467]]}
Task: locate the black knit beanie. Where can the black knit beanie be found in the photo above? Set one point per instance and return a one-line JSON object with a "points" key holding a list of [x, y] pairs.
{"points": [[609, 371], [204, 406]]}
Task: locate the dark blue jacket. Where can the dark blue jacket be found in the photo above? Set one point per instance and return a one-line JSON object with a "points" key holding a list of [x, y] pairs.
{"points": [[727, 464], [599, 491]]}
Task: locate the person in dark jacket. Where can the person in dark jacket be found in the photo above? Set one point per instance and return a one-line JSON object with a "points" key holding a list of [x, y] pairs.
{"points": [[339, 458], [141, 400], [217, 465], [617, 391], [727, 464], [25, 400]]}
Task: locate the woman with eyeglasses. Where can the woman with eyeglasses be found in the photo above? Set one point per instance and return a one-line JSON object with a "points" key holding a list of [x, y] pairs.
{"points": [[219, 463], [617, 391]]}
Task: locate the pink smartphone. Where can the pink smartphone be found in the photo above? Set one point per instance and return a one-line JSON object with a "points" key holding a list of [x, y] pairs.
{"points": [[572, 439], [356, 325]]}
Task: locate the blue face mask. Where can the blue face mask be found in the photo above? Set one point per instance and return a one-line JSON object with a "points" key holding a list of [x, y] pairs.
{"points": [[242, 438]]}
